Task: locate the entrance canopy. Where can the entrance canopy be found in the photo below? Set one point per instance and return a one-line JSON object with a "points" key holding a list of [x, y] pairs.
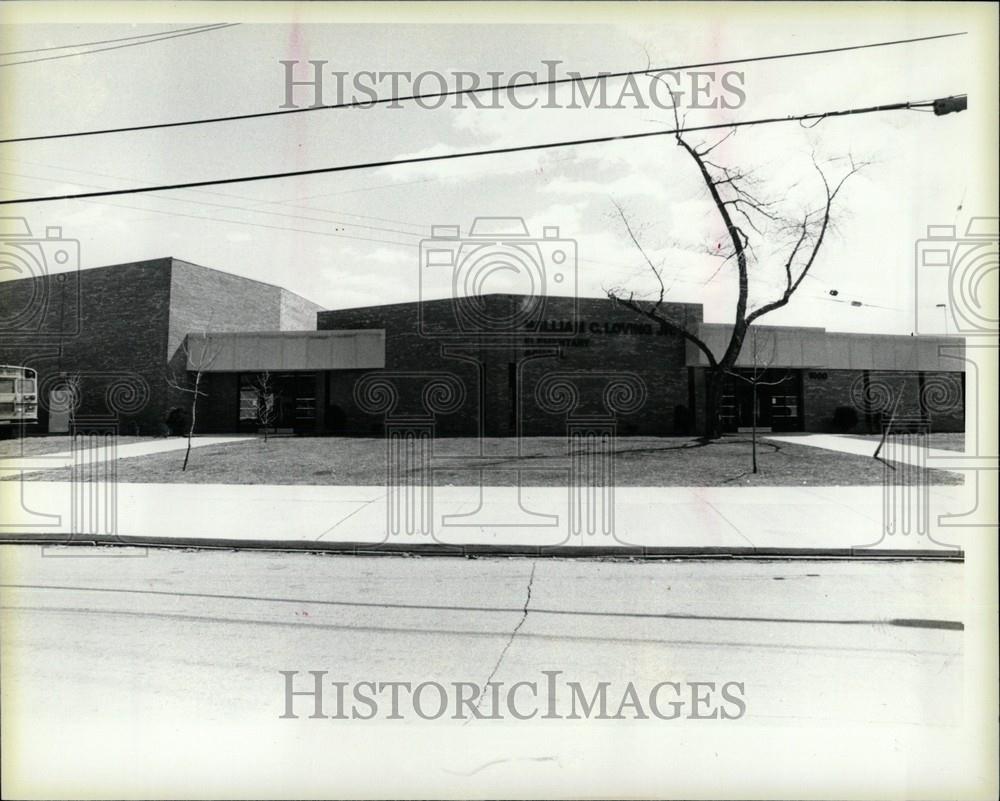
{"points": [[286, 351], [802, 347]]}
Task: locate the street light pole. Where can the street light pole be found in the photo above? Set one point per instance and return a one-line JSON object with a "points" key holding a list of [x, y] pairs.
{"points": [[944, 309]]}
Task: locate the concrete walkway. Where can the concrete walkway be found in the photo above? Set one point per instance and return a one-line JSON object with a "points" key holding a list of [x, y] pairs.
{"points": [[892, 451], [53, 461], [647, 521]]}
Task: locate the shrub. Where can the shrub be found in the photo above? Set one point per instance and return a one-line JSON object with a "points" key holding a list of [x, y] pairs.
{"points": [[176, 422], [682, 420], [845, 418]]}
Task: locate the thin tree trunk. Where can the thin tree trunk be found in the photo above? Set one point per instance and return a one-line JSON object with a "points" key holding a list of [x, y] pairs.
{"points": [[194, 417], [753, 435]]}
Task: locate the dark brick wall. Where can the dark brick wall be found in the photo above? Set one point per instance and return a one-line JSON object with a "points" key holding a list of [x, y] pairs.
{"points": [[122, 328], [943, 397], [606, 352], [823, 393], [938, 397], [114, 323]]}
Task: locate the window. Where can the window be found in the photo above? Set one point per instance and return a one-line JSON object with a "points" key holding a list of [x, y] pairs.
{"points": [[727, 410], [248, 404], [784, 406]]}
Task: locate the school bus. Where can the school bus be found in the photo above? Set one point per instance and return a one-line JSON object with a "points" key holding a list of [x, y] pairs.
{"points": [[18, 396]]}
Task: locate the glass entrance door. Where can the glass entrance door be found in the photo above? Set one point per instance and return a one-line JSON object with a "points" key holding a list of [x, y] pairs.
{"points": [[778, 404], [280, 402]]}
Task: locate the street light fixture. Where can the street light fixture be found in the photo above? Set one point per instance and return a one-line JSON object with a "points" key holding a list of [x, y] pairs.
{"points": [[950, 105]]}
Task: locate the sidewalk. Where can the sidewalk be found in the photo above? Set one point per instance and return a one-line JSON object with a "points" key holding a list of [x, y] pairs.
{"points": [[648, 521], [892, 451]]}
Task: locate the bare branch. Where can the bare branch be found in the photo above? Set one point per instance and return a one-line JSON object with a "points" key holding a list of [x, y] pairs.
{"points": [[654, 314], [792, 284], [708, 150], [635, 241]]}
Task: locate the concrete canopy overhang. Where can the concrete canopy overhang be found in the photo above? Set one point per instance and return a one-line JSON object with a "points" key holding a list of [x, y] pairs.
{"points": [[275, 351], [817, 348]]}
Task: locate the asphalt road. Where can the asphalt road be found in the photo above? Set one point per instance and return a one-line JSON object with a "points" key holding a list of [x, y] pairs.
{"points": [[151, 671]]}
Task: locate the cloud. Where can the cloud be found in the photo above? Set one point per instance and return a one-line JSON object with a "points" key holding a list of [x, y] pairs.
{"points": [[623, 186]]}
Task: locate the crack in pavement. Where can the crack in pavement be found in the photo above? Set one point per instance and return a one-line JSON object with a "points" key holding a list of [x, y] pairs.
{"points": [[510, 640], [731, 524], [502, 762], [364, 505]]}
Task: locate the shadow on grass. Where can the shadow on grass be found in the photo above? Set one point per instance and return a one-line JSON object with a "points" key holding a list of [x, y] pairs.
{"points": [[691, 445]]}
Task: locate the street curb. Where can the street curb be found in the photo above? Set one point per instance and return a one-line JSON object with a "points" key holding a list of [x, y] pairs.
{"points": [[437, 549]]}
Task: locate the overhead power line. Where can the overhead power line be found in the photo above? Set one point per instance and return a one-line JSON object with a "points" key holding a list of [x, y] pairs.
{"points": [[121, 46], [256, 204], [266, 226], [110, 41], [479, 90], [474, 153], [327, 221]]}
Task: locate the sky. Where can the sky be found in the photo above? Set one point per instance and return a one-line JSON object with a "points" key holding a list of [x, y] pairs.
{"points": [[353, 238]]}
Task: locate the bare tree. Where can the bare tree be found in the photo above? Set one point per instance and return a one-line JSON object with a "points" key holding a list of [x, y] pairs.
{"points": [[737, 201], [199, 355], [267, 405], [762, 360]]}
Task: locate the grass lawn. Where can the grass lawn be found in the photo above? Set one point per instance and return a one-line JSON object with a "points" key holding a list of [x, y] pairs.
{"points": [[641, 461]]}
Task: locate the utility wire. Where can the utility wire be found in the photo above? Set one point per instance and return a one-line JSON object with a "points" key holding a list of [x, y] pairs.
{"points": [[255, 204], [477, 90], [338, 233], [109, 41], [202, 217], [117, 47], [464, 155], [677, 279], [199, 202]]}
